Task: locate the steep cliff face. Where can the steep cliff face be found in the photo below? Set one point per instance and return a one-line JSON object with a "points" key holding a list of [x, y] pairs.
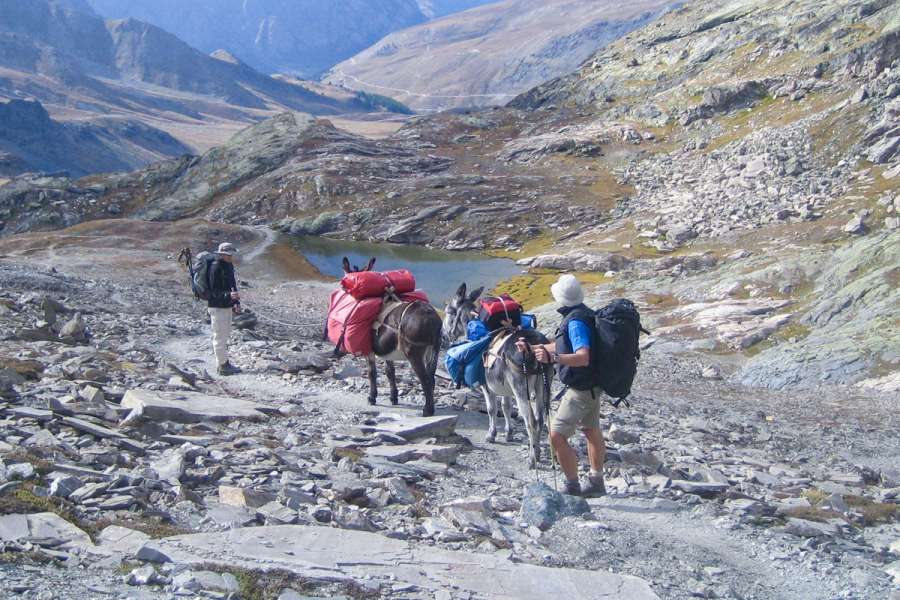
{"points": [[35, 142], [487, 55], [302, 37]]}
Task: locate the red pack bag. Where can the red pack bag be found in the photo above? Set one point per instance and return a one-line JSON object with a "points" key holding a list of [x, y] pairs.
{"points": [[369, 284], [496, 309], [350, 322], [415, 295]]}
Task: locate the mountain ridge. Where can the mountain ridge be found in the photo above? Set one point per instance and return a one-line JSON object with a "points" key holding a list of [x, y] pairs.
{"points": [[489, 54]]}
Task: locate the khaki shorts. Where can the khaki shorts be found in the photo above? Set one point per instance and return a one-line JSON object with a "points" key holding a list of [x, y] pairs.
{"points": [[577, 410]]}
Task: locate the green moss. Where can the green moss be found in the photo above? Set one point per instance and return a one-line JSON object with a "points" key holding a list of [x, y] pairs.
{"points": [[377, 101], [533, 289], [268, 585]]}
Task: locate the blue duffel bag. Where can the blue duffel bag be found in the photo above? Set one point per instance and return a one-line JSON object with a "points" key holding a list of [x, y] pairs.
{"points": [[476, 330], [464, 364]]}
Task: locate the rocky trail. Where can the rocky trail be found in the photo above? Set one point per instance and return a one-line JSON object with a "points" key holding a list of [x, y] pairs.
{"points": [[147, 477]]}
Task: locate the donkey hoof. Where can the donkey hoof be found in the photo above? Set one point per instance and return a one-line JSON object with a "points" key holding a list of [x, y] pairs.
{"points": [[372, 401], [428, 412], [491, 437], [395, 400], [510, 436]]}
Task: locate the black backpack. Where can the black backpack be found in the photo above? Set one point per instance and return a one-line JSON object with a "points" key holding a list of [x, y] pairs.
{"points": [[615, 348], [200, 274]]}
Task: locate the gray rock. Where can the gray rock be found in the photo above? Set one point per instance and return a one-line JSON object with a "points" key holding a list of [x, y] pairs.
{"points": [[275, 513], [884, 150], [411, 428], [804, 528], [244, 497], [195, 581], [20, 471], [617, 435], [856, 226], [542, 506], [327, 554], [681, 234], [700, 488], [15, 527], [170, 466], [121, 539], [190, 407], [64, 485], [74, 329], [146, 575]]}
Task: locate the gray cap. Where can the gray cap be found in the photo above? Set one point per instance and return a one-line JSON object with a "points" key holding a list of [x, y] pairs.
{"points": [[227, 249]]}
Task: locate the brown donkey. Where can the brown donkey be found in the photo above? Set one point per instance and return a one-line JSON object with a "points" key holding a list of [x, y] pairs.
{"points": [[409, 331]]}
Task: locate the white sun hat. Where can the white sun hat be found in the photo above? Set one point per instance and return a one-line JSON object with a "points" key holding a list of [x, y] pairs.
{"points": [[227, 249], [567, 291]]}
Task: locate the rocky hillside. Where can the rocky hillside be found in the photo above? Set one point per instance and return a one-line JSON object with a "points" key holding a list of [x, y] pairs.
{"points": [[40, 144], [302, 37], [487, 55], [84, 69]]}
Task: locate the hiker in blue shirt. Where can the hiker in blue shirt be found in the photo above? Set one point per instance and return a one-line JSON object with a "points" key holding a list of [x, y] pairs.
{"points": [[580, 405]]}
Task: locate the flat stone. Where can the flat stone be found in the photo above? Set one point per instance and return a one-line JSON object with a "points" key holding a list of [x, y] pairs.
{"points": [[402, 454], [92, 428], [119, 502], [42, 526], [26, 412], [809, 529], [190, 407], [336, 555], [122, 539], [411, 428], [230, 516], [700, 488], [276, 513]]}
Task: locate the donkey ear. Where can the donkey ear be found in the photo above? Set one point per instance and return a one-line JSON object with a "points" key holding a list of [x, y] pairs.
{"points": [[476, 294], [461, 292], [371, 264], [346, 264]]}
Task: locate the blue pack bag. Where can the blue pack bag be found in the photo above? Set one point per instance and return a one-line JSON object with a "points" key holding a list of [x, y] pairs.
{"points": [[463, 362], [475, 330], [529, 322]]}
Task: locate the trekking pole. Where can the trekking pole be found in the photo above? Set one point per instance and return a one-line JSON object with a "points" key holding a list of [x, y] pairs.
{"points": [[547, 411]]}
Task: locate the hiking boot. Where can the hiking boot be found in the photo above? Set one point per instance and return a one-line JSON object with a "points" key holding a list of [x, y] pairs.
{"points": [[572, 488], [228, 369], [593, 487]]}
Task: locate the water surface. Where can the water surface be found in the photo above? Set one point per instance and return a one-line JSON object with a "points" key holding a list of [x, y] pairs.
{"points": [[438, 272]]}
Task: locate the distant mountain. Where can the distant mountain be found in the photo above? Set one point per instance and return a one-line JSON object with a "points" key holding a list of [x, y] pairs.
{"points": [[489, 54], [301, 37], [80, 67], [440, 8], [31, 141]]}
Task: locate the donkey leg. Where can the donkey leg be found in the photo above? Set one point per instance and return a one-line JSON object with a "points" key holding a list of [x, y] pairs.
{"points": [[491, 436], [373, 379], [524, 404], [392, 379], [425, 375], [506, 405]]}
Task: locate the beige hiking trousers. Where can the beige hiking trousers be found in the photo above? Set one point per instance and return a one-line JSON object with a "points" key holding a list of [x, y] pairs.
{"points": [[221, 332]]}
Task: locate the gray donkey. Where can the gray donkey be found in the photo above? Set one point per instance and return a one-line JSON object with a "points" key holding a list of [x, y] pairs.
{"points": [[411, 331], [512, 374]]}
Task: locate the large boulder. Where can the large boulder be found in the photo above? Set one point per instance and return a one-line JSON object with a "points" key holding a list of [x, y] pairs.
{"points": [[542, 506]]}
